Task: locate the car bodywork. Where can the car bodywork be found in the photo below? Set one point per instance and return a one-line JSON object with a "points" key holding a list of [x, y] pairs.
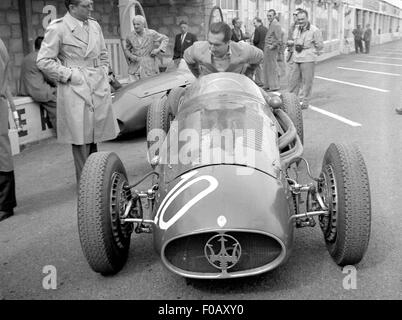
{"points": [[225, 207], [131, 102]]}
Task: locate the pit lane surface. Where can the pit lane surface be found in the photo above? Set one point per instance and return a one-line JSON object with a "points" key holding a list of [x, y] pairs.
{"points": [[44, 229]]}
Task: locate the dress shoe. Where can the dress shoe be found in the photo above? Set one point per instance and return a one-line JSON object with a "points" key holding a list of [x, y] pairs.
{"points": [[398, 110], [5, 214]]}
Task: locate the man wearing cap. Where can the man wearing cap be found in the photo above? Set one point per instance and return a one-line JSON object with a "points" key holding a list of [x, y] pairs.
{"points": [[74, 53]]}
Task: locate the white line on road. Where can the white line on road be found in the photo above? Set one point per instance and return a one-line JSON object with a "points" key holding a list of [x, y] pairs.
{"points": [[371, 71], [391, 50], [381, 63], [335, 116], [382, 57], [352, 84]]}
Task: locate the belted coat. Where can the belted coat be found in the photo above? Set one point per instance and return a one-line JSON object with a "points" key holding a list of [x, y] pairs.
{"points": [[84, 106], [6, 161]]}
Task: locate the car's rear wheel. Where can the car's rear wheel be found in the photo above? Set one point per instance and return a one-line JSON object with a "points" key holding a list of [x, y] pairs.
{"points": [[105, 241], [346, 192], [175, 99], [293, 109], [159, 117]]}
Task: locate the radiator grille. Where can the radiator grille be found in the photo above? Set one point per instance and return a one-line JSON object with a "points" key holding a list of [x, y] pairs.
{"points": [[187, 253]]}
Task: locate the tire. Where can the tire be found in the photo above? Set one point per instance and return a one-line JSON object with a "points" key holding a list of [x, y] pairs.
{"points": [[158, 122], [104, 240], [292, 107], [175, 99], [346, 192]]}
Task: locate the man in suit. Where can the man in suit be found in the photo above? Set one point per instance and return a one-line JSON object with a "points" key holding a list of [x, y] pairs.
{"points": [[74, 53], [219, 54], [183, 40], [7, 181], [271, 48], [34, 83], [367, 38], [258, 40]]}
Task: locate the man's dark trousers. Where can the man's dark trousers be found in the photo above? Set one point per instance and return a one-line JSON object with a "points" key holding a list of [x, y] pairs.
{"points": [[7, 191], [358, 45], [81, 154]]}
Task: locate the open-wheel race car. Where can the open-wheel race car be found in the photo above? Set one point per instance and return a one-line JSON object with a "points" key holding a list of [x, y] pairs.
{"points": [[223, 199]]}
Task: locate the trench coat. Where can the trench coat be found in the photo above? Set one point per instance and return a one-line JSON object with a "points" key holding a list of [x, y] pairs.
{"points": [[6, 161], [138, 50], [84, 107]]}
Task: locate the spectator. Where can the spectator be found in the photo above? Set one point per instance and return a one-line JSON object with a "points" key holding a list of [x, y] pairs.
{"points": [[308, 43], [74, 52], [34, 83], [140, 50], [281, 53], [290, 37], [7, 181], [219, 54], [183, 40], [237, 32], [258, 40], [358, 35], [367, 38], [271, 48]]}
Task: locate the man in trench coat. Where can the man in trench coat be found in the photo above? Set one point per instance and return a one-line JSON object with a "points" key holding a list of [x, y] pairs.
{"points": [[74, 52], [7, 181]]}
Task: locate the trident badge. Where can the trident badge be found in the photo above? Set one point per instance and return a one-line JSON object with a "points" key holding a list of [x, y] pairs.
{"points": [[222, 251]]}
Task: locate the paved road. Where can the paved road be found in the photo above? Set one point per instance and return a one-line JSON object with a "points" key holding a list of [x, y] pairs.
{"points": [[44, 230]]}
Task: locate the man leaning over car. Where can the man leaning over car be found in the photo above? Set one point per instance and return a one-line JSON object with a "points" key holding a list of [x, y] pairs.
{"points": [[219, 54]]}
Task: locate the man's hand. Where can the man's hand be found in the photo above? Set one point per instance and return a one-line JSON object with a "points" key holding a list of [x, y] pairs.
{"points": [[76, 77], [155, 52]]}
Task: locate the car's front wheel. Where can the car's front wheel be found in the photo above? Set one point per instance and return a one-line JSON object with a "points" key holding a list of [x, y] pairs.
{"points": [[102, 199], [345, 189]]}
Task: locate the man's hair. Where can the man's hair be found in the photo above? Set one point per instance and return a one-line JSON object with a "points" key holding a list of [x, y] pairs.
{"points": [[140, 18], [272, 10], [221, 27], [73, 2], [38, 42], [183, 22], [304, 12], [258, 19], [297, 11], [234, 20]]}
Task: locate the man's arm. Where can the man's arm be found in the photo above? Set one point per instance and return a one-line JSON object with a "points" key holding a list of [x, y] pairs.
{"points": [[255, 58], [278, 36], [47, 60], [129, 51], [191, 61], [159, 37], [104, 55], [318, 41]]}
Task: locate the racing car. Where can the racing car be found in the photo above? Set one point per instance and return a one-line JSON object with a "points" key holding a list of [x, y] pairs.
{"points": [[224, 194]]}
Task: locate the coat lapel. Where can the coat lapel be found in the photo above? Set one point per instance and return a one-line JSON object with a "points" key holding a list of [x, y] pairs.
{"points": [[92, 36], [77, 31]]}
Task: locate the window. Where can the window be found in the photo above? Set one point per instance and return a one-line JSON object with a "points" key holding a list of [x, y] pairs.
{"points": [[230, 9], [335, 22], [322, 19]]}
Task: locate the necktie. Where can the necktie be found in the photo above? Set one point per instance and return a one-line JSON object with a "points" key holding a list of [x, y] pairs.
{"points": [[86, 26], [182, 38]]}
